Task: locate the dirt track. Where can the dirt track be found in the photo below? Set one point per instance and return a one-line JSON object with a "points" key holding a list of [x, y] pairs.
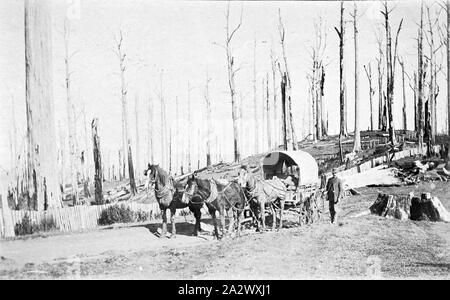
{"points": [[403, 249]]}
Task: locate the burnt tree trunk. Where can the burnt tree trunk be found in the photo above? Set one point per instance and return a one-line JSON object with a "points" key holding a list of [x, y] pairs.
{"points": [[269, 131], [420, 74], [342, 108], [98, 175], [41, 175], [283, 111], [357, 143], [133, 189]]}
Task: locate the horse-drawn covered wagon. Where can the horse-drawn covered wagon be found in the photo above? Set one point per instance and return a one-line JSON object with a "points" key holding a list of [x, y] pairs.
{"points": [[287, 179], [298, 170]]}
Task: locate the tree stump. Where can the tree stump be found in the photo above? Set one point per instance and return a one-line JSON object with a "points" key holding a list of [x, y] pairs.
{"points": [[422, 209], [391, 206]]}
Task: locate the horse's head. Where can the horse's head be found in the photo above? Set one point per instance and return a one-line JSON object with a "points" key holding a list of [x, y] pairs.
{"points": [[242, 177], [151, 174], [190, 189]]}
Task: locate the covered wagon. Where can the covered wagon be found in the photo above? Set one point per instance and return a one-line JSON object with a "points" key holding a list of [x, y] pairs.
{"points": [[297, 168]]}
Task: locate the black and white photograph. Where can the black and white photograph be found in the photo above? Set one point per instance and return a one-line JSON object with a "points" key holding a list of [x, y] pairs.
{"points": [[232, 141]]}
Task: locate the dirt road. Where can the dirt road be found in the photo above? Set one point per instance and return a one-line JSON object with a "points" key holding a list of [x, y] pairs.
{"points": [[361, 246]]}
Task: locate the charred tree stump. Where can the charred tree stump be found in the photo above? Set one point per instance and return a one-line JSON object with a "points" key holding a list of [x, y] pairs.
{"points": [[98, 177], [422, 209], [391, 206]]}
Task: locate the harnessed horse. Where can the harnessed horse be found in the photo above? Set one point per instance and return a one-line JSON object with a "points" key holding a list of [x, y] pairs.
{"points": [[261, 193], [217, 197], [168, 197]]}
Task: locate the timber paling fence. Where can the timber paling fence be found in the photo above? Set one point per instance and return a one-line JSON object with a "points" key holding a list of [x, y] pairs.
{"points": [[82, 218], [72, 219]]}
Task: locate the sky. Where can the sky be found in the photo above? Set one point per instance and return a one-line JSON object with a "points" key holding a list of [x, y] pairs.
{"points": [[180, 40]]}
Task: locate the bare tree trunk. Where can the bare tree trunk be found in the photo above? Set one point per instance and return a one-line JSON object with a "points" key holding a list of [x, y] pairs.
{"points": [[269, 131], [42, 183], [98, 175], [368, 71], [420, 75], [448, 67], [283, 111], [390, 69], [138, 161], [150, 149], [209, 122], [341, 34], [86, 156], [123, 92], [255, 102], [405, 122], [163, 124], [177, 135], [231, 78], [276, 121], [189, 130], [357, 143], [133, 188], [290, 130], [71, 123], [432, 88], [416, 118]]}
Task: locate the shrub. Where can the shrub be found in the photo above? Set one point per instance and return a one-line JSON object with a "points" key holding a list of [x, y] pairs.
{"points": [[116, 214], [47, 224], [25, 226], [141, 216]]}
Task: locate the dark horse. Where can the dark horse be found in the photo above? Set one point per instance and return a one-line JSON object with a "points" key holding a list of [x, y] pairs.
{"points": [[169, 197], [218, 196]]}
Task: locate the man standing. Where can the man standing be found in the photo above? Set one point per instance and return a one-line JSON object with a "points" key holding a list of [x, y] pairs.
{"points": [[335, 192]]}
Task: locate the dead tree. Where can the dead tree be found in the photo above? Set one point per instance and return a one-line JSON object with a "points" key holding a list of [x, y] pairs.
{"points": [[433, 87], [269, 132], [71, 123], [209, 122], [41, 187], [123, 92], [405, 122], [420, 81], [289, 126], [317, 80], [391, 55], [85, 156], [342, 109], [189, 127], [255, 102], [368, 71], [150, 150], [136, 114], [177, 137], [276, 123], [163, 126], [357, 142], [447, 43], [98, 175], [380, 67], [283, 111], [231, 81]]}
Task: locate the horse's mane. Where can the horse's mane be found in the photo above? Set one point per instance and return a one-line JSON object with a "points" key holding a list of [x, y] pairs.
{"points": [[161, 175]]}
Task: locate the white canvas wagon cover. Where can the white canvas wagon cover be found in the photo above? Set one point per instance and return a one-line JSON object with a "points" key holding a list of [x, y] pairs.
{"points": [[308, 170]]}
